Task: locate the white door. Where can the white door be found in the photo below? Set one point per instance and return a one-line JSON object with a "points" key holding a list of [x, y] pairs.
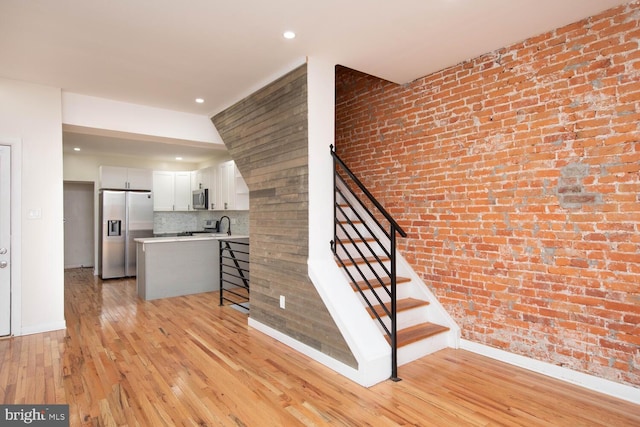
{"points": [[5, 240]]}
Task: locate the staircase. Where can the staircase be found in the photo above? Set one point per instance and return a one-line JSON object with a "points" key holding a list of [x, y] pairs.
{"points": [[405, 311]]}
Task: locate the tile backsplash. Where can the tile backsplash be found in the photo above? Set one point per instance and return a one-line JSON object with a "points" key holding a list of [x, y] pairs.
{"points": [[175, 222]]}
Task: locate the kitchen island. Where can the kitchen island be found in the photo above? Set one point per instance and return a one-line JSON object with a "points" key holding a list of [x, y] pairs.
{"points": [[179, 265]]}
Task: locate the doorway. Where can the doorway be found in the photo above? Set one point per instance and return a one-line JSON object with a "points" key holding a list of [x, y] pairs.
{"points": [[78, 224], [5, 240]]}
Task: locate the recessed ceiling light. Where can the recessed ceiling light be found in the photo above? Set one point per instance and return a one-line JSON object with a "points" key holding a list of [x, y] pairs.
{"points": [[76, 149], [199, 100], [289, 35], [178, 158]]}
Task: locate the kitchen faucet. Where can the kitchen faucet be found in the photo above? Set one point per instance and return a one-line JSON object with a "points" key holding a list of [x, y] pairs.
{"points": [[220, 224]]}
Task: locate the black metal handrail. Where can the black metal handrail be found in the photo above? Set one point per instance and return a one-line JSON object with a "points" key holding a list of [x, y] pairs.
{"points": [[365, 250], [234, 272]]}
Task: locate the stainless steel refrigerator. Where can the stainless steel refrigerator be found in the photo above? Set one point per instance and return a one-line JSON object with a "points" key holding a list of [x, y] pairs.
{"points": [[124, 216]]}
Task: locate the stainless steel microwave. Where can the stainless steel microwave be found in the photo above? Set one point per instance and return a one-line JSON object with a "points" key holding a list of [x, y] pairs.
{"points": [[200, 199]]}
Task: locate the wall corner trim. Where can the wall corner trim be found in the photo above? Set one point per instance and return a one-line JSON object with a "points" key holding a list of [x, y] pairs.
{"points": [[591, 382]]}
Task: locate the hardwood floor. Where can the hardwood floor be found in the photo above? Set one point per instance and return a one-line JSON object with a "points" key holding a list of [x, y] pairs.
{"points": [[187, 361]]}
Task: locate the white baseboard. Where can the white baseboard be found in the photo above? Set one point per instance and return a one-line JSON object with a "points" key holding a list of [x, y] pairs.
{"points": [[600, 385], [45, 327]]}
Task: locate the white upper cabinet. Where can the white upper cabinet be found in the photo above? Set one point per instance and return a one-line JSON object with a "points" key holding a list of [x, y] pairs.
{"points": [[140, 179], [233, 193], [201, 179], [213, 187], [241, 190], [121, 178], [171, 191], [206, 179], [182, 191], [163, 191], [225, 179]]}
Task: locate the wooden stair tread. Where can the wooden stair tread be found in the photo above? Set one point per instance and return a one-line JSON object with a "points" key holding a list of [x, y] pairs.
{"points": [[417, 332], [401, 305], [353, 221], [361, 284], [357, 240], [368, 260]]}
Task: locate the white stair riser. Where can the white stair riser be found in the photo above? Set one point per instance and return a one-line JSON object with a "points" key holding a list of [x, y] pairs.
{"points": [[368, 271], [346, 213], [406, 318], [422, 348], [345, 230], [402, 291], [366, 249]]}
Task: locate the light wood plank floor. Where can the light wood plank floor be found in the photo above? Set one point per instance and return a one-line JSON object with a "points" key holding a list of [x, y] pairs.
{"points": [[186, 361]]}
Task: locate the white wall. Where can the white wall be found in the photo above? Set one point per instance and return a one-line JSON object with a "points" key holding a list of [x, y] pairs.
{"points": [[321, 117], [32, 113]]}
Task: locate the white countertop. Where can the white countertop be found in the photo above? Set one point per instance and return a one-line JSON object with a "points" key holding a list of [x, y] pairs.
{"points": [[199, 236]]}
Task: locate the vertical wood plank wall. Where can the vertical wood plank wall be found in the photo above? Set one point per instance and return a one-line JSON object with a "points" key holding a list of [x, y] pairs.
{"points": [[266, 135]]}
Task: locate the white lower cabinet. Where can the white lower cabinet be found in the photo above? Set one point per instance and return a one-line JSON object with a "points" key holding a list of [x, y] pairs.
{"points": [[158, 277]]}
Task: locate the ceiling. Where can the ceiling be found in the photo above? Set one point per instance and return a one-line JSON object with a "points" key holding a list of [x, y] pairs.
{"points": [[166, 53]]}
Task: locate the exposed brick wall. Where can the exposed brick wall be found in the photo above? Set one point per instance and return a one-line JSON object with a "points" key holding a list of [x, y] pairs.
{"points": [[517, 176]]}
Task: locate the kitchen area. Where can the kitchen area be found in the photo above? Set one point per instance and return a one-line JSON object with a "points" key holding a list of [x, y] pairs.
{"points": [[158, 222]]}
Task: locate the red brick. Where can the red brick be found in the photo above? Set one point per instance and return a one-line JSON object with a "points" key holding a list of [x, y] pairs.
{"points": [[492, 142]]}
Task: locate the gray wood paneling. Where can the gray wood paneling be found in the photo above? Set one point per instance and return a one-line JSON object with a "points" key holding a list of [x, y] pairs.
{"points": [[266, 135]]}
